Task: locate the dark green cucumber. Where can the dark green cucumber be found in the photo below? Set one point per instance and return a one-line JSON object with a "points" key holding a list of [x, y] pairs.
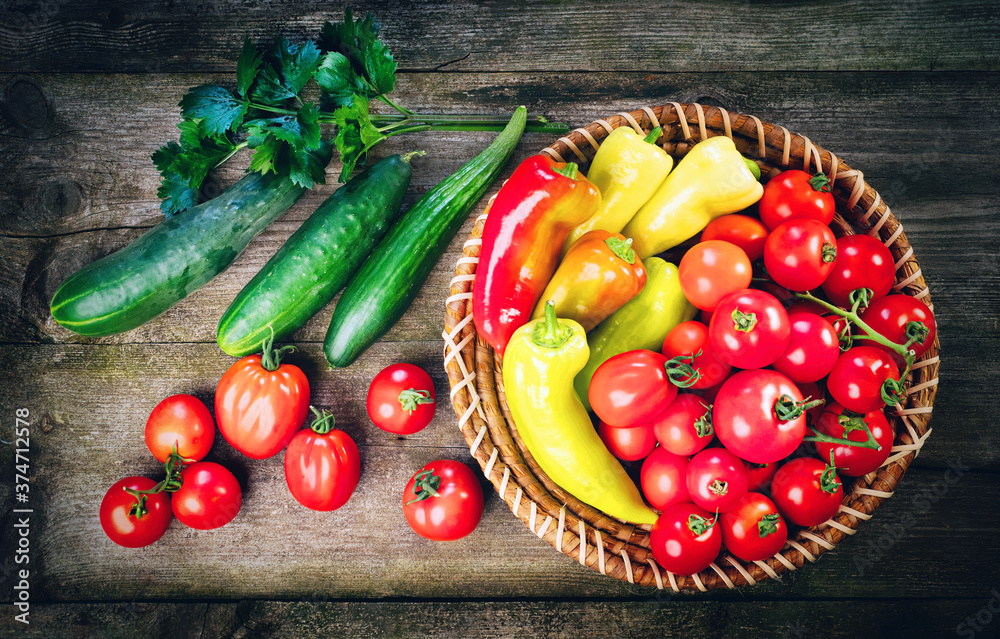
{"points": [[386, 284], [317, 260], [132, 286]]}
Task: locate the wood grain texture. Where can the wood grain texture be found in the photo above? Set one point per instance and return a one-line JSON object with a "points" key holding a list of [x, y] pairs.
{"points": [[187, 35], [647, 618]]}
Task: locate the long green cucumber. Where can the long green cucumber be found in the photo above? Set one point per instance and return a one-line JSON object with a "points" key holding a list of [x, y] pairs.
{"points": [[317, 260], [128, 288], [387, 282]]}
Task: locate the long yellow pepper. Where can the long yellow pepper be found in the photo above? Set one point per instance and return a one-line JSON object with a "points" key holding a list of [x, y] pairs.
{"points": [[713, 179], [539, 365]]}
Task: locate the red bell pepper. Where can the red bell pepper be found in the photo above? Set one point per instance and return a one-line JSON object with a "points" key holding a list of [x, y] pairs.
{"points": [[530, 219]]}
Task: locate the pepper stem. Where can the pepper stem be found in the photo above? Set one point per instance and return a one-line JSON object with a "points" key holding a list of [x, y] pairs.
{"points": [[621, 248], [323, 422], [754, 168], [570, 170], [653, 135], [410, 398], [550, 332]]}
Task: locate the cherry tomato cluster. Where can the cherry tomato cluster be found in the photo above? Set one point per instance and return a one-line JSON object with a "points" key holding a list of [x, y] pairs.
{"points": [[746, 422]]}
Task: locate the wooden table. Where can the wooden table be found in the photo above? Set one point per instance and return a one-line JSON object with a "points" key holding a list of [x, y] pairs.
{"points": [[905, 91]]}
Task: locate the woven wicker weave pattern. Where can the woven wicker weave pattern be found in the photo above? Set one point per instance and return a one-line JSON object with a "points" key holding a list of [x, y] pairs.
{"points": [[619, 549]]}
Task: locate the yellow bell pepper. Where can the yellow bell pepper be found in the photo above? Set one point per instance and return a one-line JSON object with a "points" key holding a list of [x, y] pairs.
{"points": [[539, 365], [643, 322], [713, 179], [627, 169]]}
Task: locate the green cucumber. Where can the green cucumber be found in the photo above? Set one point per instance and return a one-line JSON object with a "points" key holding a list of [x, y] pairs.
{"points": [[128, 288], [317, 260], [386, 284]]}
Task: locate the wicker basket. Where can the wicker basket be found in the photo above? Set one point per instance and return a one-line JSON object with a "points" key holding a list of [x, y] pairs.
{"points": [[621, 549]]}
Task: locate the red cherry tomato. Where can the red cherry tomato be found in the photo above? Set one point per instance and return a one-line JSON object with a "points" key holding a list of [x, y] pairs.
{"points": [[685, 427], [322, 465], [862, 262], [813, 349], [259, 410], [716, 479], [183, 420], [686, 339], [628, 443], [800, 254], [746, 416], [742, 230], [858, 377], [401, 399], [631, 388], [854, 461], [128, 525], [454, 511], [889, 318], [664, 479], [209, 496], [759, 475], [711, 270], [796, 195], [807, 491], [749, 329], [754, 530], [685, 539]]}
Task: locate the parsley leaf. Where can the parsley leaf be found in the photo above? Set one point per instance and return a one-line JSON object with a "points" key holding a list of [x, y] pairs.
{"points": [[266, 149], [184, 166], [269, 88], [216, 107], [338, 80], [355, 134], [359, 43], [247, 66], [297, 63]]}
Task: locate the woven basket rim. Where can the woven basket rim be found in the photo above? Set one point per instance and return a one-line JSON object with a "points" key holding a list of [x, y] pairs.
{"points": [[620, 549]]}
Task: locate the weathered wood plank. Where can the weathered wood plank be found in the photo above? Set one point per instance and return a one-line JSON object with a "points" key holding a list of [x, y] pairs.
{"points": [[89, 404], [188, 35], [652, 618]]}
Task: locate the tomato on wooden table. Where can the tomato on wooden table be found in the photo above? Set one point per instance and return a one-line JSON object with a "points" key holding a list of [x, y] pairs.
{"points": [[711, 270], [854, 461], [443, 501], [131, 521], [209, 496], [807, 491], [182, 421], [749, 329], [685, 539], [862, 262], [746, 232], [628, 443], [684, 427], [800, 254], [687, 339], [898, 318], [716, 479], [322, 465], [861, 377], [813, 348], [759, 415], [663, 479], [261, 403], [754, 530], [633, 387], [401, 399], [795, 194]]}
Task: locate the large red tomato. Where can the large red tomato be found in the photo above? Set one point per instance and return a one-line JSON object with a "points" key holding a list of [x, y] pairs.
{"points": [[759, 415], [800, 254], [716, 479], [749, 329], [711, 270], [862, 262], [754, 530], [664, 479], [795, 195], [322, 465], [813, 349], [854, 461], [182, 421], [134, 522], [685, 427], [631, 388], [209, 496], [261, 403], [859, 379], [807, 491], [443, 501], [685, 539], [401, 399], [897, 317]]}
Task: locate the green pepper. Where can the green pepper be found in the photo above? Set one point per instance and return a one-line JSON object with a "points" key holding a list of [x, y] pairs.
{"points": [[643, 322]]}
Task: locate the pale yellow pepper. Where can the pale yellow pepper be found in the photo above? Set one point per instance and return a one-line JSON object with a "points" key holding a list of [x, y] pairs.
{"points": [[712, 180], [627, 169]]}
